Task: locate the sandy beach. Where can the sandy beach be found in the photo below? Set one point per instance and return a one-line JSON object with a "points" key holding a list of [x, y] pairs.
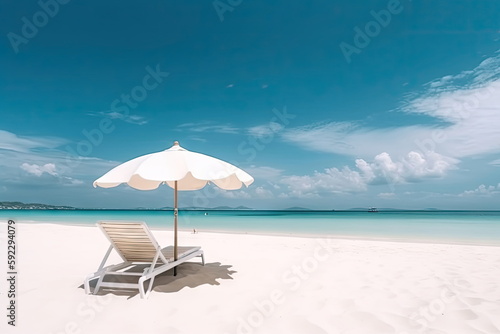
{"points": [[258, 284]]}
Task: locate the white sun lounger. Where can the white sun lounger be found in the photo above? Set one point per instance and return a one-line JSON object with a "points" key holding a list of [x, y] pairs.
{"points": [[136, 245]]}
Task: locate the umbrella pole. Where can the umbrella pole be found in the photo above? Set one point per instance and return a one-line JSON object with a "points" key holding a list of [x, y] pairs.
{"points": [[176, 213]]}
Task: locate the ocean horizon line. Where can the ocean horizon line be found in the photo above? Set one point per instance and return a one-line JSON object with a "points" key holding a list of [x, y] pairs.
{"points": [[252, 210]]}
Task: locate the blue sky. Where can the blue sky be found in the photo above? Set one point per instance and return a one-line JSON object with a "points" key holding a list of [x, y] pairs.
{"points": [[329, 105]]}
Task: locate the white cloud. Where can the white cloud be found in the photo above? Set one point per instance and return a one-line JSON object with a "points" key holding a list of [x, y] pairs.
{"points": [[72, 181], [39, 170], [383, 170], [495, 162], [264, 172], [43, 163], [482, 190], [299, 194], [472, 114], [352, 139], [203, 140], [466, 108], [133, 119], [13, 142], [470, 103], [387, 195], [332, 180], [208, 126], [258, 131], [412, 168], [261, 192], [265, 130], [233, 194], [50, 169], [324, 137]]}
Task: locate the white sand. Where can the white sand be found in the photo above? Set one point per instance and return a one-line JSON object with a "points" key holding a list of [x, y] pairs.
{"points": [[259, 284]]}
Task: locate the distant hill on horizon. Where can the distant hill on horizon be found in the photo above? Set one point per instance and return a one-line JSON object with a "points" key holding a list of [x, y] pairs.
{"points": [[298, 208], [379, 209], [40, 206], [241, 207], [32, 206]]}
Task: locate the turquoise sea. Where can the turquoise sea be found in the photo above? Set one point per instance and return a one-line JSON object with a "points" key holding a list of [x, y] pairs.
{"points": [[469, 227]]}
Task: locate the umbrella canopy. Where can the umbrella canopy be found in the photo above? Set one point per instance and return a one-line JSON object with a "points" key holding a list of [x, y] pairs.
{"points": [[191, 170], [178, 168]]}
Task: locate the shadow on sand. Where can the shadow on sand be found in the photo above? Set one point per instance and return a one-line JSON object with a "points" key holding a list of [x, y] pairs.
{"points": [[189, 275]]}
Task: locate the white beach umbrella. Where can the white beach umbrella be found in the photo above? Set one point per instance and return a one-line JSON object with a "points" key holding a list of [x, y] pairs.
{"points": [[178, 168]]}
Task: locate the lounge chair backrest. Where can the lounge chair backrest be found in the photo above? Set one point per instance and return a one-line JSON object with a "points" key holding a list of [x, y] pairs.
{"points": [[133, 241]]}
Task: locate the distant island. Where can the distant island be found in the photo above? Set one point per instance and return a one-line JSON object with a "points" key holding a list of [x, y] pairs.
{"points": [[32, 206], [241, 207], [39, 206], [297, 208], [373, 209], [198, 208]]}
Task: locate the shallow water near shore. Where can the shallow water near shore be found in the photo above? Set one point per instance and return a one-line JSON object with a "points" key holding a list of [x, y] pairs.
{"points": [[476, 227]]}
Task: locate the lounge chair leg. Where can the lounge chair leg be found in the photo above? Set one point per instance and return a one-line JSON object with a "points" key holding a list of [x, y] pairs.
{"points": [[86, 283], [98, 285], [145, 293], [141, 288], [150, 285], [175, 271], [202, 259]]}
